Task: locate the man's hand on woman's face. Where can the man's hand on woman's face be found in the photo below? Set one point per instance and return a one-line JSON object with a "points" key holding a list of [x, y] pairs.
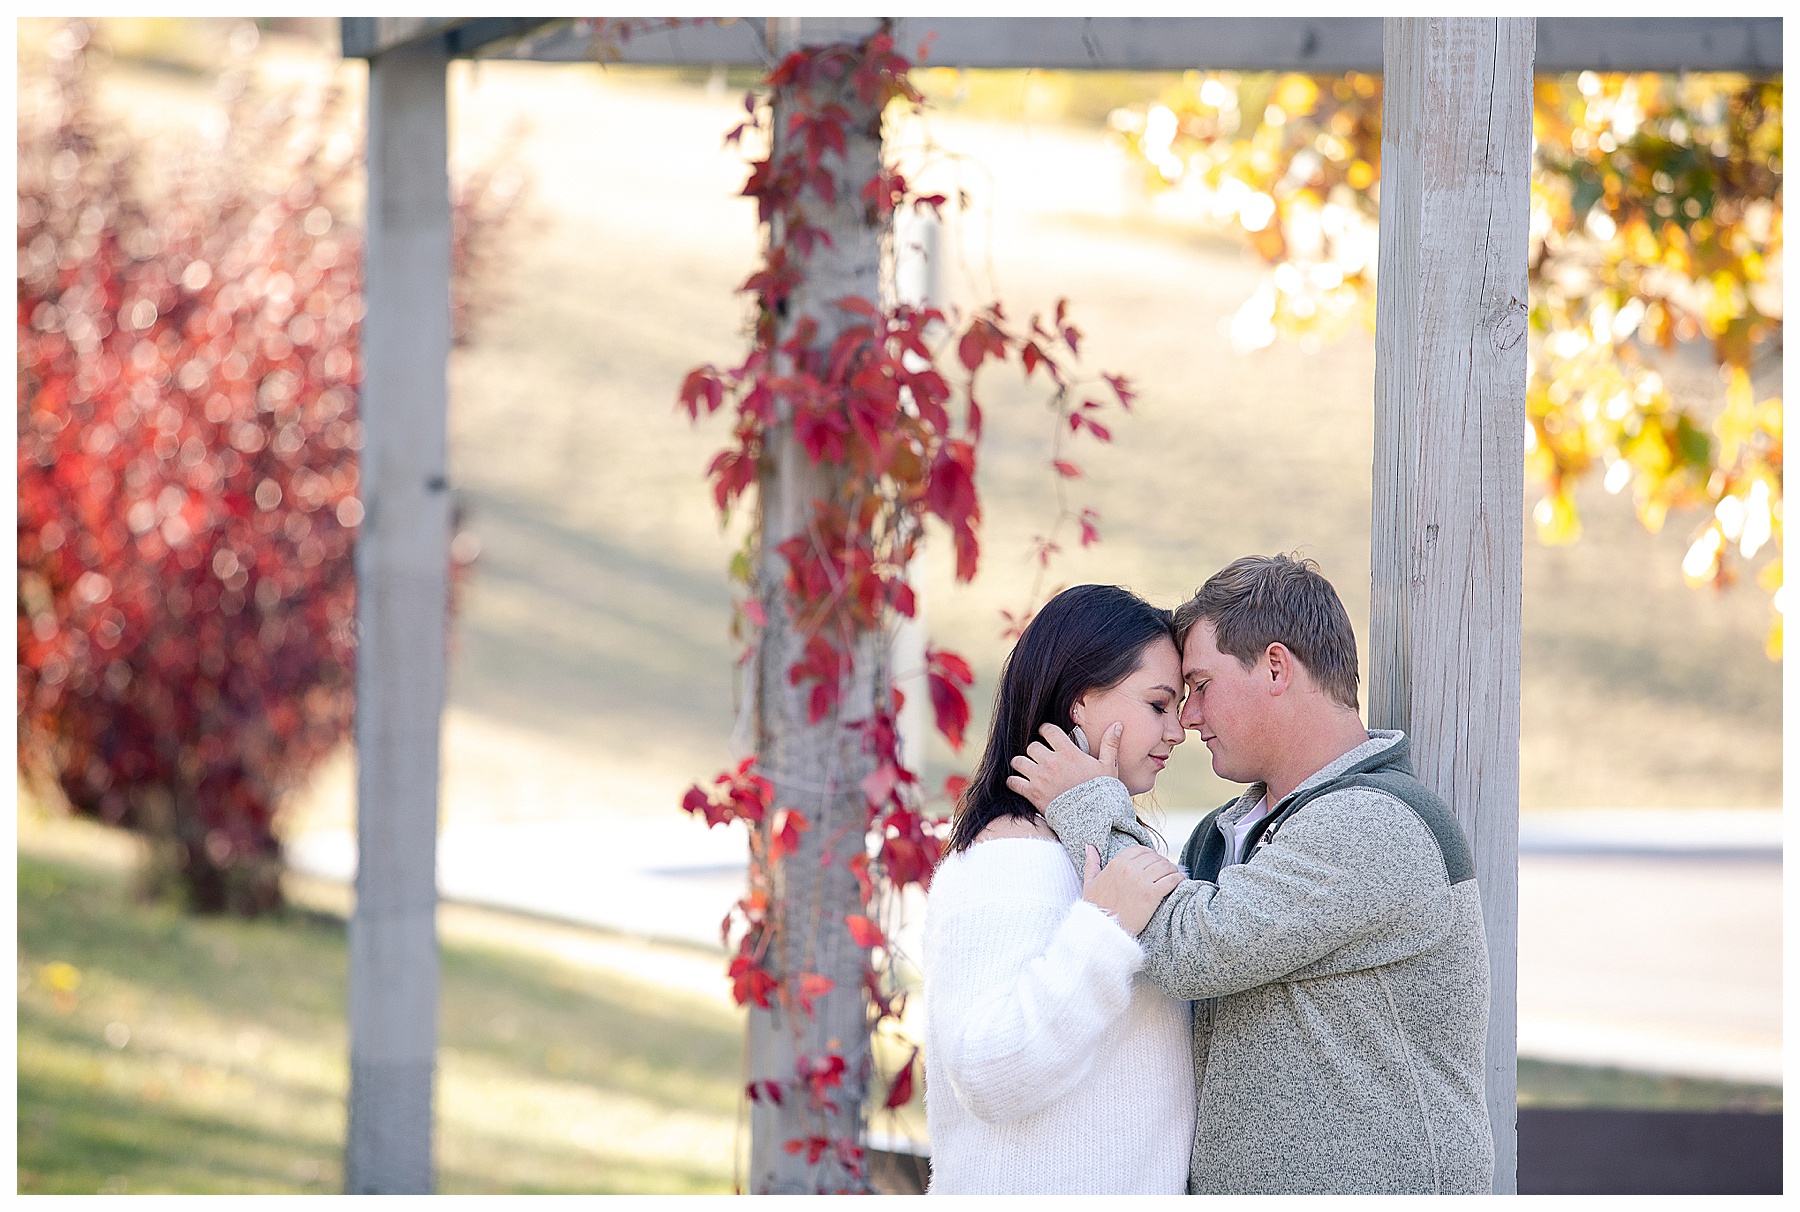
{"points": [[1045, 771], [1131, 887]]}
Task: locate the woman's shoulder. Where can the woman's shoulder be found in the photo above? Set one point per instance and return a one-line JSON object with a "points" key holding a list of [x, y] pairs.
{"points": [[1016, 827], [1009, 867]]}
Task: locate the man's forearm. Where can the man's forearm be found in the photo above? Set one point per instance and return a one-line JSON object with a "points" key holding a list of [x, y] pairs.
{"points": [[1287, 915], [1098, 813]]}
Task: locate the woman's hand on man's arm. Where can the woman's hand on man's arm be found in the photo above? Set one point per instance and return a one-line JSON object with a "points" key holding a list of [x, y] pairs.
{"points": [[1131, 886]]}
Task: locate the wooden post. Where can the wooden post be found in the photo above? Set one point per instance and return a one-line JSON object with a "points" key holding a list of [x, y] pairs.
{"points": [[1449, 456], [402, 562], [816, 768]]}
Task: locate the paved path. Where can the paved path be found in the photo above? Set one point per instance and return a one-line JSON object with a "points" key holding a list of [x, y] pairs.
{"points": [[1648, 940]]}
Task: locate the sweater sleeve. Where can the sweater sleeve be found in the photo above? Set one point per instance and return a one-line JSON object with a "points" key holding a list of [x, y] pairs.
{"points": [[1017, 1026], [1098, 811], [1318, 900], [1353, 881]]}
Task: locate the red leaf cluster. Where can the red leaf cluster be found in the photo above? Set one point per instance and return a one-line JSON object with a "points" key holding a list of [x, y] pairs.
{"points": [[750, 982], [885, 409], [820, 1075], [738, 795], [757, 1091]]}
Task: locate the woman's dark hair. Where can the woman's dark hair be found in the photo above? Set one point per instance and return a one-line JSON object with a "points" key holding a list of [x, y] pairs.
{"points": [[1091, 637]]}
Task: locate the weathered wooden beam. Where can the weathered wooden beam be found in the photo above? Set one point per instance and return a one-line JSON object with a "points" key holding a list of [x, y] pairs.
{"points": [[402, 563], [366, 37], [483, 35], [1448, 517], [1307, 44], [1315, 44], [1751, 45]]}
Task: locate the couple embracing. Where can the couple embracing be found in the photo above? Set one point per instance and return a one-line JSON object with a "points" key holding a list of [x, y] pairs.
{"points": [[1301, 1006]]}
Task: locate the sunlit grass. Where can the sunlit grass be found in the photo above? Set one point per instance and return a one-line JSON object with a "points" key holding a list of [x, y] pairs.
{"points": [[179, 1054], [1544, 1084], [160, 1052]]}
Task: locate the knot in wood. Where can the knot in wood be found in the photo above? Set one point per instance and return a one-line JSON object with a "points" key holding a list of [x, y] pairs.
{"points": [[1509, 324]]}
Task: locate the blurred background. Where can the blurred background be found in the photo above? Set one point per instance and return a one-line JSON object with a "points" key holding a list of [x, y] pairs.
{"points": [[589, 1040]]}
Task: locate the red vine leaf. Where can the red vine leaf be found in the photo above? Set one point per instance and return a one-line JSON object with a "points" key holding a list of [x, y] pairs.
{"points": [[824, 666], [878, 786], [750, 982], [859, 867], [697, 801], [951, 491], [909, 860], [1015, 623], [865, 932], [701, 388], [947, 673], [1090, 527], [811, 987], [784, 838], [1121, 388], [905, 601], [732, 471], [1066, 469], [901, 1092], [1078, 420]]}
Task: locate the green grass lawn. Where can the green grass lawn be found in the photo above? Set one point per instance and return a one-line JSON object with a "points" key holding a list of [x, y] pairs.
{"points": [[209, 1055], [1542, 1084], [160, 1052]]}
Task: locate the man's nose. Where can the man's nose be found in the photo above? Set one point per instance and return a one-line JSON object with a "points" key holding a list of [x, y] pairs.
{"points": [[1190, 711]]}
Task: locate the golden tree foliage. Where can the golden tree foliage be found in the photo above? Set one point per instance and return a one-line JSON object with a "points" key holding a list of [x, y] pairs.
{"points": [[1655, 225]]}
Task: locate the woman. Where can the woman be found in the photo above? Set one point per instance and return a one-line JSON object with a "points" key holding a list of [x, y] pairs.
{"points": [[1050, 1066]]}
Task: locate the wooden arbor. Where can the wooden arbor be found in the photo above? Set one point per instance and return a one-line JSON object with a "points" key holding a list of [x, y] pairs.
{"points": [[1447, 530]]}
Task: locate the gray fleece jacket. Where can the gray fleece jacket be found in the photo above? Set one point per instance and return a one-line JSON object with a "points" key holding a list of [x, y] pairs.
{"points": [[1341, 980]]}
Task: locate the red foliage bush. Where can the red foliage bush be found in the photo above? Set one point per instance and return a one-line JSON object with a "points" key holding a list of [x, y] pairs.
{"points": [[188, 431]]}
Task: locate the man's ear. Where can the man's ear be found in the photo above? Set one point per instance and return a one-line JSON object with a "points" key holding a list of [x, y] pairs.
{"points": [[1281, 668]]}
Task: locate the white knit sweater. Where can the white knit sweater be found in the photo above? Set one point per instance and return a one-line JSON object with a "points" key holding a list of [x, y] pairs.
{"points": [[1050, 1066]]}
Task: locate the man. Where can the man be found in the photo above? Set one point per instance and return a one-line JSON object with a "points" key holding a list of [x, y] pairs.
{"points": [[1330, 932]]}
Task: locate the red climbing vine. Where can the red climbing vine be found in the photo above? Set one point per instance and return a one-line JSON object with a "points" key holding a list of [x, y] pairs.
{"points": [[891, 403]]}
